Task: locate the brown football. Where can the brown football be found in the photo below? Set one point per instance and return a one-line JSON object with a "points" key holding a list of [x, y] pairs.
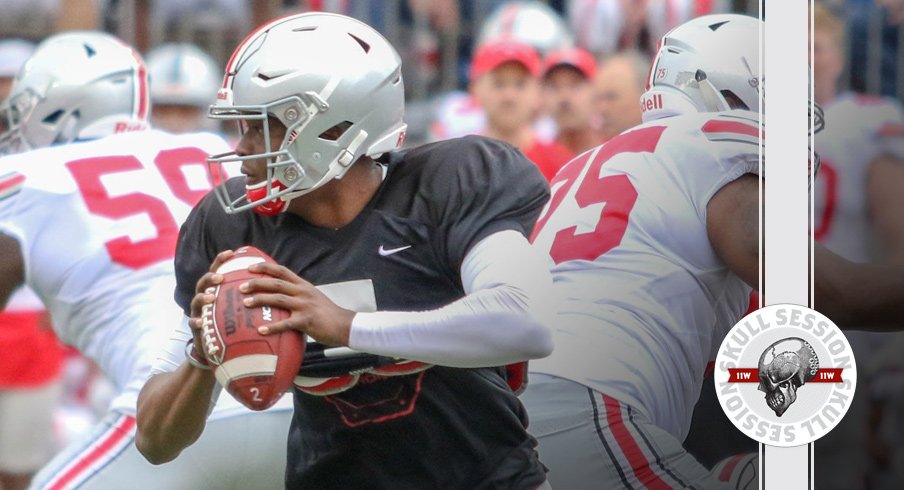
{"points": [[255, 369]]}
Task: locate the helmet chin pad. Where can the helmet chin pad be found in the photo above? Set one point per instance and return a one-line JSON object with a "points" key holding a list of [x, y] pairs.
{"points": [[272, 207]]}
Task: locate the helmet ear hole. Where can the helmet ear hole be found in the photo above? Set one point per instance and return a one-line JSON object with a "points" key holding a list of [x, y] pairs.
{"points": [[733, 100], [53, 117], [335, 132]]}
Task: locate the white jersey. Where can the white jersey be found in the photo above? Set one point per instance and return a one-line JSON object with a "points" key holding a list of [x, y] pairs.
{"points": [[646, 301], [23, 300], [97, 223], [858, 130]]}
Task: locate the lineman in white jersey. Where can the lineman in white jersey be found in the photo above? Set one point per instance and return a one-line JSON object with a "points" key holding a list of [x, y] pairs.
{"points": [[91, 227], [654, 237], [857, 212]]}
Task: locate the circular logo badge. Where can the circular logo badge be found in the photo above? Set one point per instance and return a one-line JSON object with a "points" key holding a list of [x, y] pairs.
{"points": [[785, 375]]}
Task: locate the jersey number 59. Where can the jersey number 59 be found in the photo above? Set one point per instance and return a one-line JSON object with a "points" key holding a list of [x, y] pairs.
{"points": [[123, 250]]}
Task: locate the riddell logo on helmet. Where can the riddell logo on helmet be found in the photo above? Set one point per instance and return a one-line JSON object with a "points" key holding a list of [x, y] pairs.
{"points": [[785, 375], [125, 127], [651, 102]]}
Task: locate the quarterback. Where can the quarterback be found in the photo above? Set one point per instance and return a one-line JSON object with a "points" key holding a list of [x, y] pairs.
{"points": [[424, 251]]}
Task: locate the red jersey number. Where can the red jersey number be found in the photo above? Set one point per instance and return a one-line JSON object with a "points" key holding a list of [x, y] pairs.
{"points": [[88, 173], [615, 192], [827, 177]]}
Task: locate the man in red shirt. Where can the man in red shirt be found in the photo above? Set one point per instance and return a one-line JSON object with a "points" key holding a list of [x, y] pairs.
{"points": [[505, 82], [568, 90]]}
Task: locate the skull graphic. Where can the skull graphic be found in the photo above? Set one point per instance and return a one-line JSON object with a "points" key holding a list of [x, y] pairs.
{"points": [[784, 367]]}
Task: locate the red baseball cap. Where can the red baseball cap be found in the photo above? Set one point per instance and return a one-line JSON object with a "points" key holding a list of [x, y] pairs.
{"points": [[576, 58], [494, 53]]}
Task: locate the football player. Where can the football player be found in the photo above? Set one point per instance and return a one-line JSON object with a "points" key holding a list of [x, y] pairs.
{"points": [[666, 268], [182, 79], [30, 383], [857, 214], [90, 209], [432, 283]]}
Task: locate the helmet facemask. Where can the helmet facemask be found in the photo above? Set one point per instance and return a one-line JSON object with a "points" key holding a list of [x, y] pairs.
{"points": [[13, 112], [287, 177]]}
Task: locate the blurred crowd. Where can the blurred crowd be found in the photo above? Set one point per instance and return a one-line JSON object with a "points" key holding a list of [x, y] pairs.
{"points": [[553, 78]]}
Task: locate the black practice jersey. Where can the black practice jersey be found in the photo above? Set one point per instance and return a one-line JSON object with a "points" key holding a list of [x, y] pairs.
{"points": [[440, 428]]}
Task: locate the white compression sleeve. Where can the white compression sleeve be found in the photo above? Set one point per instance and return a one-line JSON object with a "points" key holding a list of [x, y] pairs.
{"points": [[503, 319]]}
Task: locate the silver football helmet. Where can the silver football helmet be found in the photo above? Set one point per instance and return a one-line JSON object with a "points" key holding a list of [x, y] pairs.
{"points": [[528, 21], [708, 64], [321, 75], [182, 74], [76, 85]]}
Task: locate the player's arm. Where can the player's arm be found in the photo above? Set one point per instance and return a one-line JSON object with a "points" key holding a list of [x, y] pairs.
{"points": [[732, 224], [483, 198], [501, 320], [12, 267], [848, 293], [173, 405], [885, 200]]}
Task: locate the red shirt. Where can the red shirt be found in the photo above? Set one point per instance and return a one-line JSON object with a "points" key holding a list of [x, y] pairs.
{"points": [[549, 157], [32, 356]]}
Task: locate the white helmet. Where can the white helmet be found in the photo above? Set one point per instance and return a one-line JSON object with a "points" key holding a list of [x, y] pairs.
{"points": [[709, 64], [183, 74], [530, 22], [314, 72], [76, 85]]}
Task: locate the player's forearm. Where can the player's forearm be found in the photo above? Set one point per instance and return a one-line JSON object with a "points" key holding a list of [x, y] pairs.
{"points": [[452, 336], [12, 267], [862, 296], [172, 412], [503, 319]]}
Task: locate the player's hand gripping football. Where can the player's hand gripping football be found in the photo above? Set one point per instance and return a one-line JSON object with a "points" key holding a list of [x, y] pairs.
{"points": [[312, 312], [204, 295]]}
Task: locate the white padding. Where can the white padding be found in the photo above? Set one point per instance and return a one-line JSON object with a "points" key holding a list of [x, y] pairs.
{"points": [[245, 366]]}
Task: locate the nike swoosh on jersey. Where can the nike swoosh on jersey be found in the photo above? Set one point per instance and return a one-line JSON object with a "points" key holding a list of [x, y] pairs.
{"points": [[384, 252]]}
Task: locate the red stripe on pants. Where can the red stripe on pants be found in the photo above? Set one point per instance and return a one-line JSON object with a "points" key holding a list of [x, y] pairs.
{"points": [[121, 429], [638, 460]]}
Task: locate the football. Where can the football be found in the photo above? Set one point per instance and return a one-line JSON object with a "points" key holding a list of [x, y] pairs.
{"points": [[255, 369]]}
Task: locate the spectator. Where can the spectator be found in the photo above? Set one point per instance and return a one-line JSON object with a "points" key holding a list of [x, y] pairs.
{"points": [[505, 82], [619, 84], [567, 83]]}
